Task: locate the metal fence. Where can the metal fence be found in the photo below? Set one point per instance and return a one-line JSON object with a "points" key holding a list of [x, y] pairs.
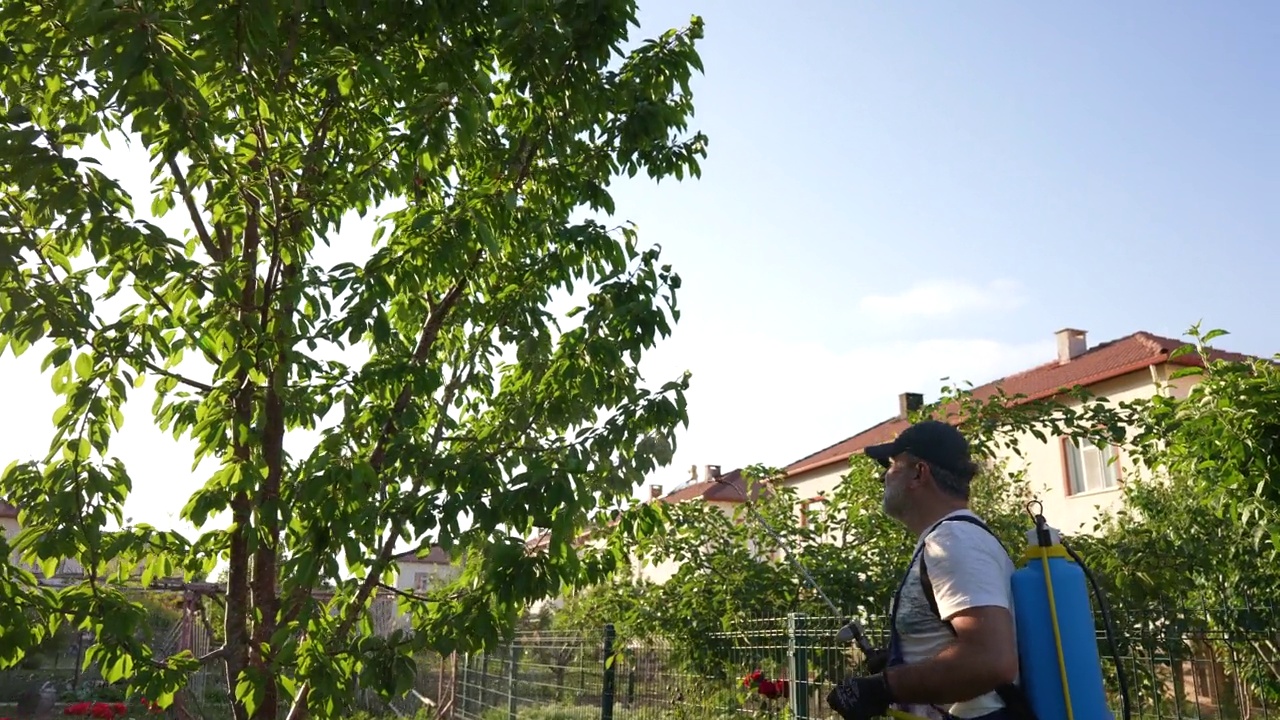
{"points": [[1202, 663]]}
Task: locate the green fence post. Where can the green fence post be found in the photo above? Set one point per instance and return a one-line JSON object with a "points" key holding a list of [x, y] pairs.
{"points": [[606, 693], [466, 688], [511, 680], [798, 657]]}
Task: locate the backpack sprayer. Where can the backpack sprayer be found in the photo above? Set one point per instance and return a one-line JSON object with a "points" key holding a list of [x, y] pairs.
{"points": [[1051, 610]]}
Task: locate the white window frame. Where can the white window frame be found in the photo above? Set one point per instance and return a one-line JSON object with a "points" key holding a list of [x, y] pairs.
{"points": [[422, 581], [1090, 469]]}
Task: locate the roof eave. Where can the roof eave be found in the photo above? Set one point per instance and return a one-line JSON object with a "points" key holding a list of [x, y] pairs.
{"points": [[1084, 382]]}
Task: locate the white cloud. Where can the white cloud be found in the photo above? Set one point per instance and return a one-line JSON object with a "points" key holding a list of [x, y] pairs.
{"points": [[754, 401], [939, 298]]}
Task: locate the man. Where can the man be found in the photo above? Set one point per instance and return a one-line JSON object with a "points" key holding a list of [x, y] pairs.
{"points": [[960, 660]]}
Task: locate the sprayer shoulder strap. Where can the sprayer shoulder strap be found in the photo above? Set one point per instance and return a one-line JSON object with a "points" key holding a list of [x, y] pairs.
{"points": [[925, 583]]}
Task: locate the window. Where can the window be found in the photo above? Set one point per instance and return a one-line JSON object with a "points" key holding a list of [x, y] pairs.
{"points": [[1089, 468]]}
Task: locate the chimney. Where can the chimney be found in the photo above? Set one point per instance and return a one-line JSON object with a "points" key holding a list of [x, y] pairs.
{"points": [[655, 492], [1071, 344], [909, 403], [711, 472]]}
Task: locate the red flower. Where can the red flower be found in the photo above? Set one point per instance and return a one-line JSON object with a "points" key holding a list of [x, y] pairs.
{"points": [[80, 708], [119, 708], [774, 689], [771, 689]]}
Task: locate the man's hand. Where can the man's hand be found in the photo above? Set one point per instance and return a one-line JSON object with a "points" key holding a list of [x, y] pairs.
{"points": [[861, 698], [983, 657], [876, 660]]}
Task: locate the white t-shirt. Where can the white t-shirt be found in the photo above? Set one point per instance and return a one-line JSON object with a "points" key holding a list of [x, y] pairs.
{"points": [[968, 568]]}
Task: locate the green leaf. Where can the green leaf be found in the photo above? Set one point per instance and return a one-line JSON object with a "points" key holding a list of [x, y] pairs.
{"points": [[434, 393], [84, 365]]}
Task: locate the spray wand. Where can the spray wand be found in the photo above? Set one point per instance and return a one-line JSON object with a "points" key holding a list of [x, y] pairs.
{"points": [[851, 631]]}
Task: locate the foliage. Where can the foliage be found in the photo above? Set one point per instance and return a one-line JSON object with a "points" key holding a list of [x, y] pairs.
{"points": [[731, 568], [452, 405], [1186, 562], [1224, 436], [1190, 554]]}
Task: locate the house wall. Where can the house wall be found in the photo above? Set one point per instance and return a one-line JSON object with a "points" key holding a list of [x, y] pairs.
{"points": [[820, 481], [11, 528], [660, 572], [423, 575], [1045, 463]]}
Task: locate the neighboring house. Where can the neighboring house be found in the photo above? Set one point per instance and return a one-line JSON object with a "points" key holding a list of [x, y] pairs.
{"points": [[1074, 481], [420, 574], [722, 491], [69, 571], [9, 521]]}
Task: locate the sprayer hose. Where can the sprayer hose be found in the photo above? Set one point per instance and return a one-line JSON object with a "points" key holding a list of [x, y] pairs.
{"points": [[1121, 678]]}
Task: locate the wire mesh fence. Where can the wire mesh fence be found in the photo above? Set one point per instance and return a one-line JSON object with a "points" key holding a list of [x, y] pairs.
{"points": [[1176, 663]]}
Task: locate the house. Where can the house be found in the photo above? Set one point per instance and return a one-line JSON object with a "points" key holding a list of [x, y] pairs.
{"points": [[68, 572], [422, 573], [724, 492], [1074, 481]]}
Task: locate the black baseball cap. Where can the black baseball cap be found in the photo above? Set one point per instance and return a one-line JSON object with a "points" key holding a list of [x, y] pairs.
{"points": [[933, 441]]}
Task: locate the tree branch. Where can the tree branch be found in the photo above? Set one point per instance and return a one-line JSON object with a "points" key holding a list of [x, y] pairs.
{"points": [[404, 593], [237, 637], [214, 251], [219, 228], [426, 340], [212, 655], [180, 378], [291, 48]]}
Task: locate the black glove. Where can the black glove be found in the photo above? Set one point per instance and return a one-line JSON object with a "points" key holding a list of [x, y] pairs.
{"points": [[861, 698], [876, 660]]}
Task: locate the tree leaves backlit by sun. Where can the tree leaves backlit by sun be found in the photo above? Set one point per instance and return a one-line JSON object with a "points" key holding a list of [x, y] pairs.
{"points": [[451, 404]]}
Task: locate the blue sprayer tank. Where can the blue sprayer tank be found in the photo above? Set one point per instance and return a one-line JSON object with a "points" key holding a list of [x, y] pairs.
{"points": [[1041, 670]]}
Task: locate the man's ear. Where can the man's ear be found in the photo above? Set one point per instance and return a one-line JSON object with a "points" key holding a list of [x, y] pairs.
{"points": [[923, 476]]}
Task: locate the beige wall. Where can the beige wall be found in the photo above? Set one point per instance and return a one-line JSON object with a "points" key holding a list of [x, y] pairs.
{"points": [[1046, 468], [11, 530], [432, 574], [660, 572], [1043, 462], [818, 482]]}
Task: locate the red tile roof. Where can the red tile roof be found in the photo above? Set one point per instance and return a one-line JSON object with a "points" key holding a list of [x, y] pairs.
{"points": [[436, 556], [1104, 362], [730, 488]]}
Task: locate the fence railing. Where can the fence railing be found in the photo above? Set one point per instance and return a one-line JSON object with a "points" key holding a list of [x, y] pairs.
{"points": [[1190, 663]]}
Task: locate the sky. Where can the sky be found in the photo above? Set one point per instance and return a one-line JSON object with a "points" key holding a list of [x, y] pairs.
{"points": [[901, 192]]}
